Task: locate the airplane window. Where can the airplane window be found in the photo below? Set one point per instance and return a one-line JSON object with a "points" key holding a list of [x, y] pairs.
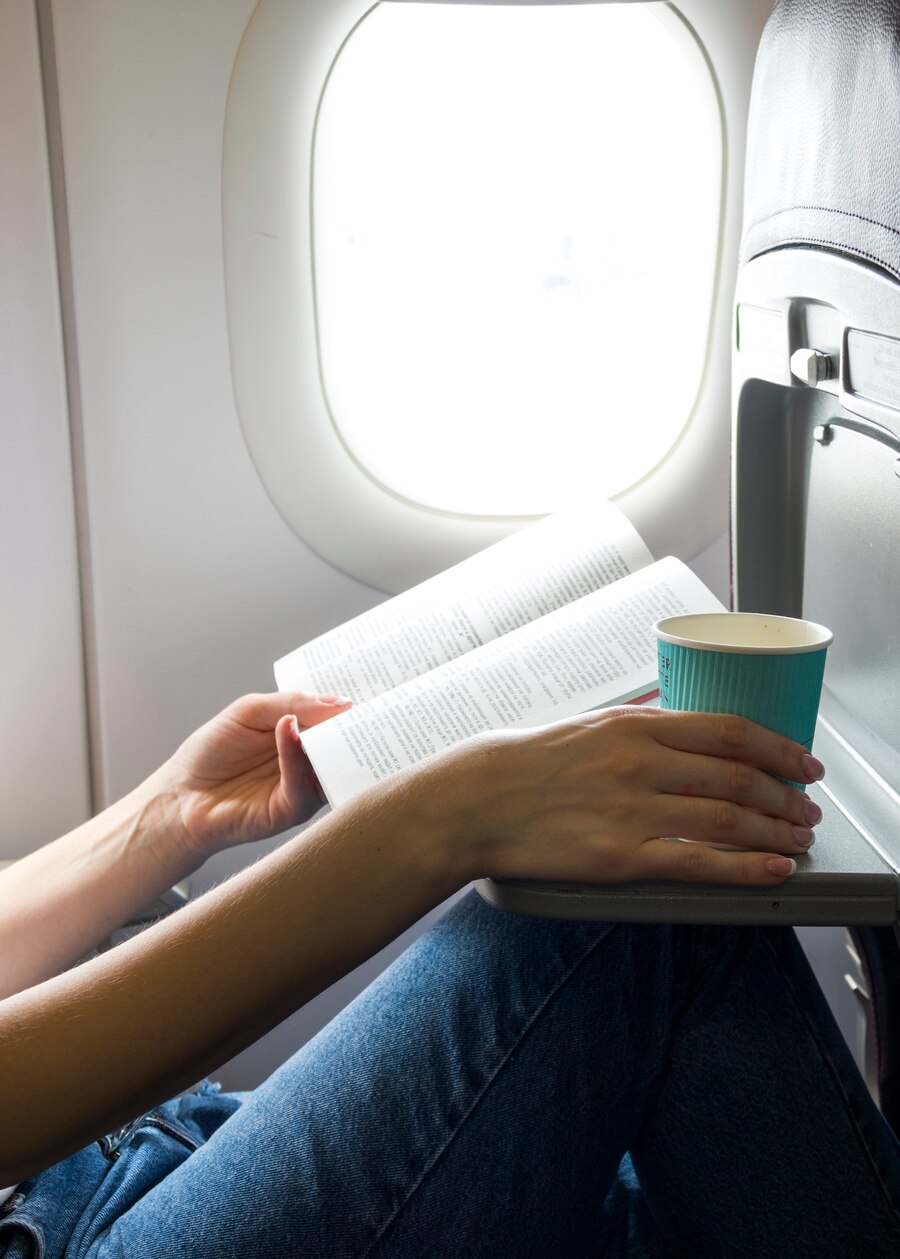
{"points": [[516, 214]]}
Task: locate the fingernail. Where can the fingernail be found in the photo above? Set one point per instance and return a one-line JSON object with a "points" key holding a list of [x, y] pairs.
{"points": [[812, 812], [812, 768], [295, 730], [804, 837], [781, 865], [337, 700]]}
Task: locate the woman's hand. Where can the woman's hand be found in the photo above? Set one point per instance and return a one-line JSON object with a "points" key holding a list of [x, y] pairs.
{"points": [[596, 798], [244, 775]]}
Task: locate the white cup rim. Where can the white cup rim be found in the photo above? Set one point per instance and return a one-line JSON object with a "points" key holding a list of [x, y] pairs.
{"points": [[775, 635]]}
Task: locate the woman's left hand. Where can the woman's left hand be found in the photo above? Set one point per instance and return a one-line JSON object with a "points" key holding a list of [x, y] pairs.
{"points": [[244, 775]]}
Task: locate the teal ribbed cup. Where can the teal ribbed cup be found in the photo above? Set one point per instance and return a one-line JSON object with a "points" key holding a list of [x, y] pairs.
{"points": [[767, 668]]}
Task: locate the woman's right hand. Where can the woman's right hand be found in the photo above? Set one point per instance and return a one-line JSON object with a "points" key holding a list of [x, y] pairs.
{"points": [[596, 798]]}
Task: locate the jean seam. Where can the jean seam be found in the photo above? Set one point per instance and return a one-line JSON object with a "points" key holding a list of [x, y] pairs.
{"points": [[32, 1228], [573, 967], [835, 1075]]}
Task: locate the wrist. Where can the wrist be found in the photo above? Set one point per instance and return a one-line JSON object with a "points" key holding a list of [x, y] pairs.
{"points": [[450, 795], [153, 815]]}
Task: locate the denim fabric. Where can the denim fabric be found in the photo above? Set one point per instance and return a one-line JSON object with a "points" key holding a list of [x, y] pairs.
{"points": [[64, 1209], [514, 1087]]}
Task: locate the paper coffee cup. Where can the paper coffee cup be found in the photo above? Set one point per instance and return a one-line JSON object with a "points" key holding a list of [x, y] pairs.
{"points": [[767, 668]]}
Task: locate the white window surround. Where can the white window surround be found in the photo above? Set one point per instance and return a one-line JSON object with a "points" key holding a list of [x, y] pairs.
{"points": [[320, 490]]}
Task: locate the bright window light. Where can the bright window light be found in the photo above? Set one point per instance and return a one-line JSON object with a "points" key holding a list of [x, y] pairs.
{"points": [[516, 220]]}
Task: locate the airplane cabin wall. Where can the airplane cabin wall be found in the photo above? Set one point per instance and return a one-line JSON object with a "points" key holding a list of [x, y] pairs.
{"points": [[197, 583], [44, 783]]}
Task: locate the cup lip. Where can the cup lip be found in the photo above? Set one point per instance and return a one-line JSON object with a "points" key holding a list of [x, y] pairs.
{"points": [[667, 630]]}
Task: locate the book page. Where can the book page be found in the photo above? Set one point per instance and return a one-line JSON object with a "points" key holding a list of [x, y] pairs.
{"points": [[532, 572], [597, 651]]}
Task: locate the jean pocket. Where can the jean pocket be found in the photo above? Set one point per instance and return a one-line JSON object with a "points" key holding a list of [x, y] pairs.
{"points": [[114, 1142]]}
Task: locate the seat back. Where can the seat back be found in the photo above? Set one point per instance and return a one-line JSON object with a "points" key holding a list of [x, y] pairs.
{"points": [[816, 405], [816, 477]]}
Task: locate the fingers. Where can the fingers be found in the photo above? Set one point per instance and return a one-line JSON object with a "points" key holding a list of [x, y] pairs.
{"points": [[724, 822], [727, 735], [718, 778], [264, 711], [310, 710], [698, 863]]}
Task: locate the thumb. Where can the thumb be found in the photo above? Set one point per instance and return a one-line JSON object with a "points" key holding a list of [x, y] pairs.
{"points": [[298, 794]]}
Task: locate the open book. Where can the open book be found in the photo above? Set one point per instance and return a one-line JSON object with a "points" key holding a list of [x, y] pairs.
{"points": [[552, 621]]}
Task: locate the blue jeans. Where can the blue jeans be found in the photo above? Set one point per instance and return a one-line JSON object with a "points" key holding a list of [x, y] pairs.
{"points": [[515, 1087]]}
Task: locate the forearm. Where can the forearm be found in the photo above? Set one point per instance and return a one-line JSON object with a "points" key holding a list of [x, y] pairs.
{"points": [[86, 1051], [242, 776], [583, 800], [57, 903]]}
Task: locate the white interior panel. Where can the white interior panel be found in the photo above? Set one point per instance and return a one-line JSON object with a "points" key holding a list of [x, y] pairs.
{"points": [[268, 200], [198, 584], [43, 743]]}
